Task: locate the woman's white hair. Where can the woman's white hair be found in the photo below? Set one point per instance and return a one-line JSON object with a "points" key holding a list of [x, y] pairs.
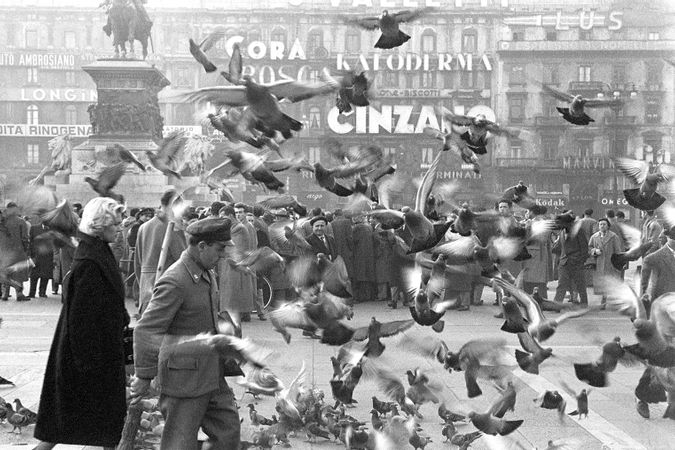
{"points": [[99, 213]]}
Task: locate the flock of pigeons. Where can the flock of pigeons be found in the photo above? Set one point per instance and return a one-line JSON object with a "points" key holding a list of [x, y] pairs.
{"points": [[431, 242]]}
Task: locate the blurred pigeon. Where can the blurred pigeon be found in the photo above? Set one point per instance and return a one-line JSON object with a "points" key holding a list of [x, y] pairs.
{"points": [[479, 126], [648, 176], [199, 51], [505, 402], [126, 156], [235, 66], [107, 180], [354, 89], [582, 400], [165, 159]]}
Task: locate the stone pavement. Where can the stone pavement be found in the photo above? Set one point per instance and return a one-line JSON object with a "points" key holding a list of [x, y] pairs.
{"points": [[27, 330]]}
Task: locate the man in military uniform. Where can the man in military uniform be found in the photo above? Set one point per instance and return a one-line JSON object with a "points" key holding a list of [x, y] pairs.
{"points": [[185, 302]]}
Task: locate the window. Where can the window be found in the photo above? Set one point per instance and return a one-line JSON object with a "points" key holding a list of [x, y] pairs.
{"points": [[315, 118], [33, 153], [390, 152], [31, 39], [584, 73], [409, 81], [428, 41], [428, 79], [352, 42], [551, 36], [651, 142], [71, 78], [427, 157], [69, 40], [585, 35], [32, 75], [653, 36], [9, 112], [469, 41], [517, 75], [548, 107], [619, 74], [517, 109], [551, 74], [182, 77], [516, 152], [518, 36], [278, 35], [314, 75], [11, 33], [652, 110], [467, 80], [71, 115], [314, 155], [390, 78], [448, 80], [50, 36], [619, 146], [32, 115], [584, 147], [314, 41], [88, 35], [549, 147], [654, 75]]}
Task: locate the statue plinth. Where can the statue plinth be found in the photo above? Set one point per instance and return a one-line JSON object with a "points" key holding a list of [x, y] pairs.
{"points": [[126, 113]]}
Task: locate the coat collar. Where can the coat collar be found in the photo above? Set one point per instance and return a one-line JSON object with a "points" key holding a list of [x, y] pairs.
{"points": [[195, 270], [94, 249]]}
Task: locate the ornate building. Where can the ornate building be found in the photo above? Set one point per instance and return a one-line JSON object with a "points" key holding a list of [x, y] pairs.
{"points": [[465, 55], [622, 50]]}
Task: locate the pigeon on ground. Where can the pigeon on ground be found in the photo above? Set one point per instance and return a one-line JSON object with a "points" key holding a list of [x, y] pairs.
{"points": [[582, 400], [505, 402]]}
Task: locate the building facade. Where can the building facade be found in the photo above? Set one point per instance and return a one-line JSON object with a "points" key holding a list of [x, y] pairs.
{"points": [[465, 56]]}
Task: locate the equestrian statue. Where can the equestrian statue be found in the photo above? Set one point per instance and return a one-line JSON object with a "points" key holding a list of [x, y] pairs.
{"points": [[127, 21]]}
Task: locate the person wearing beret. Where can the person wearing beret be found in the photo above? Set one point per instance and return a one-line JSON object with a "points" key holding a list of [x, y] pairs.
{"points": [[573, 246], [185, 302], [319, 240]]}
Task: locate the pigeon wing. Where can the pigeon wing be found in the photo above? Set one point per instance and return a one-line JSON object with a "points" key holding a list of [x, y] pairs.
{"points": [[632, 168], [110, 176], [296, 91], [218, 96], [212, 38], [562, 96], [367, 23], [411, 15]]}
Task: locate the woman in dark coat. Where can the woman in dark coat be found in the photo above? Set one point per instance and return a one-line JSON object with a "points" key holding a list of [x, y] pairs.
{"points": [[83, 399]]}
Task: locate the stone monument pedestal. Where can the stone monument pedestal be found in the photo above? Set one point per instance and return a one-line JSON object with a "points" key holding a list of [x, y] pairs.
{"points": [[126, 113]]}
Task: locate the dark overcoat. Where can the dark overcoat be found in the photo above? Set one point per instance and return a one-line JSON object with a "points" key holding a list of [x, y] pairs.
{"points": [[42, 252], [83, 398], [364, 253], [344, 242]]}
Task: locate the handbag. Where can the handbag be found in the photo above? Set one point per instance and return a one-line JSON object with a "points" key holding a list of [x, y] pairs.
{"points": [[128, 341], [591, 262]]}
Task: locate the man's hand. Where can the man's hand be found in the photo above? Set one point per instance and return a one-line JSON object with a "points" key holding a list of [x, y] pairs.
{"points": [[646, 298], [139, 389]]}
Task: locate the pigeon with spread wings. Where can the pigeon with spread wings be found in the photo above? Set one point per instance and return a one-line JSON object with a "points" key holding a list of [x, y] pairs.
{"points": [[198, 51], [476, 137], [648, 176], [107, 180], [575, 113], [388, 24], [354, 89]]}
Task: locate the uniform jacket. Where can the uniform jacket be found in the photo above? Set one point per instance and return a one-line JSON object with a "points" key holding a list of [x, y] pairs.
{"points": [[657, 273], [184, 303], [83, 397], [319, 247]]}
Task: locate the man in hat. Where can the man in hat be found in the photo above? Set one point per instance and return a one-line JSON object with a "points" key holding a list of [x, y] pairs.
{"points": [[142, 216], [319, 240], [573, 246], [149, 246], [185, 302]]}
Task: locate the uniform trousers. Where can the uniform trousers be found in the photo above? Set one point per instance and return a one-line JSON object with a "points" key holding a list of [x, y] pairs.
{"points": [[215, 412]]}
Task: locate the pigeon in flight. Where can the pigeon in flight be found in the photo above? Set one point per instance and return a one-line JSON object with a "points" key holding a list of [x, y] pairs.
{"points": [[574, 113], [388, 24]]}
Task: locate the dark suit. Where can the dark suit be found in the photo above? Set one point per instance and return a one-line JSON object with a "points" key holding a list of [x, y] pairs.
{"points": [[573, 254], [185, 302], [318, 246]]}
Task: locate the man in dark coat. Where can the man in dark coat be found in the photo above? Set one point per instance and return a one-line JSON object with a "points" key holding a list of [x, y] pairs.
{"points": [[344, 245], [83, 398], [319, 240], [364, 283], [14, 246], [193, 390], [573, 253], [42, 253]]}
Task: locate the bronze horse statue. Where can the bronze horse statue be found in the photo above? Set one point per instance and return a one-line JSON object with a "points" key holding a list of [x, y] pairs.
{"points": [[128, 21]]}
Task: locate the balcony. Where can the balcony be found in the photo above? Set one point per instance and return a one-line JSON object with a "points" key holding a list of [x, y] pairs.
{"points": [[622, 121], [585, 46], [586, 86], [551, 121], [518, 163]]}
